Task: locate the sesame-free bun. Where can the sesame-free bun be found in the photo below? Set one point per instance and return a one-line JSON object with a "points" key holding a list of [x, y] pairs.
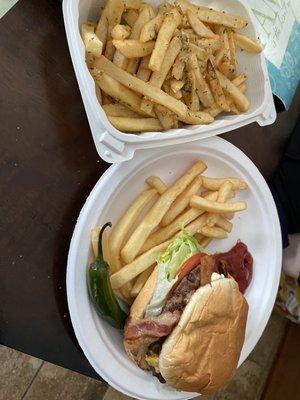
{"points": [[141, 302], [137, 348], [202, 352]]}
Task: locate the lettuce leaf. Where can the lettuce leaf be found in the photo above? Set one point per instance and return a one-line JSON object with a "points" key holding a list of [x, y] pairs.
{"points": [[169, 263]]}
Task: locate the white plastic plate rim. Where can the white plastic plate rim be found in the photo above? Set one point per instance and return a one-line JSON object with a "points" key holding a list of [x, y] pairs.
{"points": [[88, 327], [114, 146]]}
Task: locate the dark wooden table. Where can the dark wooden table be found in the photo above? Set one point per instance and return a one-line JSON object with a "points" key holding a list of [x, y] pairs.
{"points": [[48, 167]]}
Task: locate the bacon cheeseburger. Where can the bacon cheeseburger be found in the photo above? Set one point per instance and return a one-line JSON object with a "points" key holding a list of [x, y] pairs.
{"points": [[187, 324]]}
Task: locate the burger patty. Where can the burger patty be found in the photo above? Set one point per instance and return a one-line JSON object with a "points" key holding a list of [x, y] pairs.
{"points": [[186, 288], [162, 325]]}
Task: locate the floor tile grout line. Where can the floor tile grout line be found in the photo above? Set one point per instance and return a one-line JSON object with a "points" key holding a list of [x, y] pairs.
{"points": [[32, 380]]}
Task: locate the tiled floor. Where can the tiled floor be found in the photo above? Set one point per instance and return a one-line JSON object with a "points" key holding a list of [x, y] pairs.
{"points": [[27, 378]]}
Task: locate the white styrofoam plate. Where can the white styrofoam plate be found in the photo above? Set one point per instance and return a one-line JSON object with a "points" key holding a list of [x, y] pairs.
{"points": [[258, 227], [114, 146]]}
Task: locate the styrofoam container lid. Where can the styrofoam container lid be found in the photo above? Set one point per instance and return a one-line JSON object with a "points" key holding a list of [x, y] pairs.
{"points": [[114, 146], [258, 227]]}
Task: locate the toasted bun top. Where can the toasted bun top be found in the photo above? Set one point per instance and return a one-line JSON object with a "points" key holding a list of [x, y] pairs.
{"points": [[202, 352]]}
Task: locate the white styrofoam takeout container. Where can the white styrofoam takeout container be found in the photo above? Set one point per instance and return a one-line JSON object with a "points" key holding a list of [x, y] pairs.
{"points": [[114, 146]]}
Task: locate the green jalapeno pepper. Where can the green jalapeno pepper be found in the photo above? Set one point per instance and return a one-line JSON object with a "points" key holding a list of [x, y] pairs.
{"points": [[100, 290]]}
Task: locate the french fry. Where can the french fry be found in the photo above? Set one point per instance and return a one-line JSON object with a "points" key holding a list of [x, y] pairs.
{"points": [[120, 32], [216, 183], [201, 54], [223, 195], [109, 49], [220, 56], [237, 81], [122, 227], [193, 100], [182, 220], [157, 78], [170, 23], [155, 94], [242, 87], [136, 267], [182, 5], [178, 66], [188, 35], [177, 95], [136, 124], [226, 66], [140, 282], [144, 72], [113, 14], [210, 16], [213, 111], [247, 44], [102, 26], [133, 48], [132, 4], [228, 215], [232, 49], [151, 28], [176, 85], [208, 192], [209, 44], [225, 191], [184, 23], [93, 46], [196, 225], [197, 118], [215, 207], [213, 232], [203, 89], [155, 215], [145, 15], [199, 28], [120, 60], [130, 16], [238, 97], [135, 21], [204, 242], [224, 224], [167, 118], [156, 183], [233, 107], [181, 202], [119, 92], [118, 110], [216, 87]]}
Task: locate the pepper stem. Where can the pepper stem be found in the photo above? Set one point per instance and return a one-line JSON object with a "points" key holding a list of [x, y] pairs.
{"points": [[100, 237]]}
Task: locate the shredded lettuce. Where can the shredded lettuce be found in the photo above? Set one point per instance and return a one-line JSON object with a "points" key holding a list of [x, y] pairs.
{"points": [[169, 263]]}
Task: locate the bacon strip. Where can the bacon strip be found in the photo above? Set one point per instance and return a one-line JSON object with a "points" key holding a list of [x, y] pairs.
{"points": [[155, 327]]}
